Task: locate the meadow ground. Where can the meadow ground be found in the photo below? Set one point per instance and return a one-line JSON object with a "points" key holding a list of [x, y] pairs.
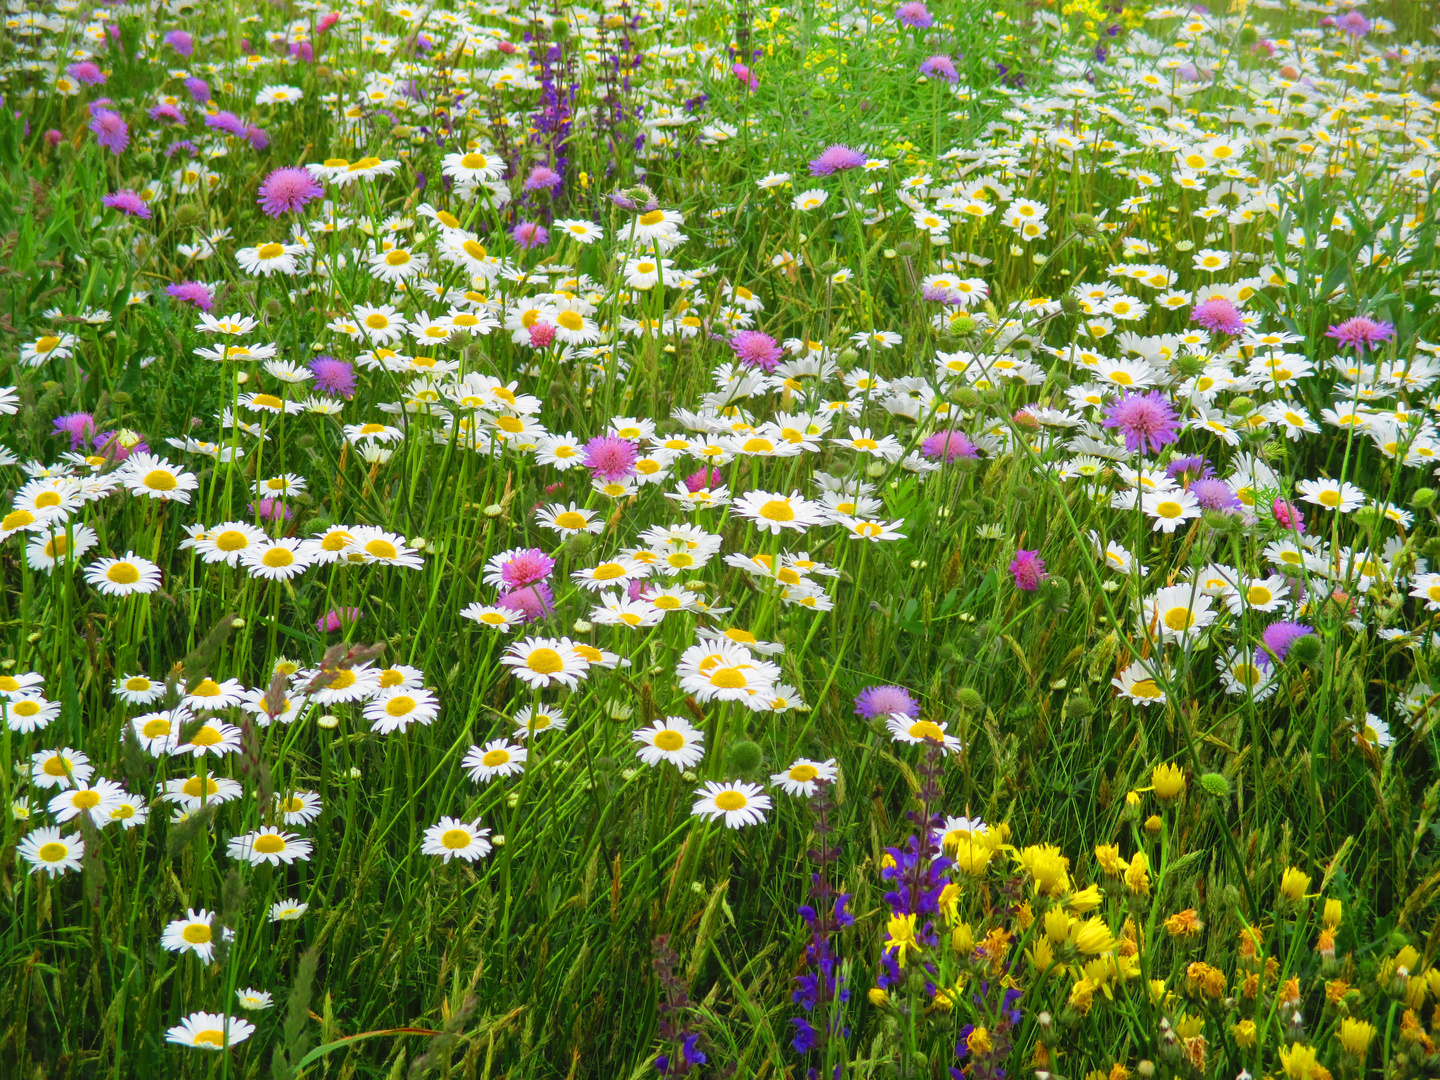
{"points": [[700, 539]]}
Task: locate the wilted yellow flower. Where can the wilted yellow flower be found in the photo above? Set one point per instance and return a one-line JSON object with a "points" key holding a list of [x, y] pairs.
{"points": [[1205, 979], [1251, 942], [1355, 1036], [1137, 875], [1118, 1072], [1082, 996], [1108, 855], [1092, 937], [1057, 926], [1086, 899], [878, 997], [1184, 923], [979, 1042], [1298, 1062], [1244, 1034], [1024, 916], [1325, 943], [1293, 884], [1048, 869], [1335, 991], [1168, 781], [1331, 915]]}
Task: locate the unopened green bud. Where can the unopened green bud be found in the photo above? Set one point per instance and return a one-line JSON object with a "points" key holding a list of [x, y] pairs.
{"points": [[1422, 498], [1308, 650], [1240, 406], [745, 757], [1215, 784], [1085, 224], [969, 699], [1070, 305]]}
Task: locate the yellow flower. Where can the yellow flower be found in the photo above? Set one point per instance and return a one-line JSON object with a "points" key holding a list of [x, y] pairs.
{"points": [[962, 939], [1057, 926], [979, 1041], [1048, 869], [1024, 916], [1153, 824], [1108, 855], [1298, 1062], [1293, 884], [1331, 915], [949, 901], [1087, 899], [878, 997], [1244, 1034], [1082, 995], [1169, 781], [1355, 1036], [1093, 937], [901, 929], [1137, 875], [1184, 923], [1042, 955]]}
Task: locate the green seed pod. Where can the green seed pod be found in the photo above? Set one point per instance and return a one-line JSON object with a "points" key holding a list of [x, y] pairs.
{"points": [[1215, 784], [1189, 366], [1085, 224], [962, 324], [1248, 35], [1422, 498], [578, 545], [1070, 305], [745, 757], [907, 249], [966, 397], [969, 699], [1078, 704], [1241, 406], [1308, 650], [187, 215]]}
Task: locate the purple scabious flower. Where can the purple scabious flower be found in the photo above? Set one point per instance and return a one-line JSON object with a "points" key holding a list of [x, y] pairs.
{"points": [[610, 458], [879, 702], [1354, 24], [1361, 333], [1278, 637], [108, 445], [528, 234], [227, 122], [110, 130], [333, 376], [192, 292], [527, 567], [542, 335], [1184, 470], [199, 90], [914, 15], [542, 178], [286, 190], [87, 72], [940, 66], [1287, 516], [271, 510], [947, 445], [746, 77], [1028, 570], [79, 427], [835, 159], [127, 202], [181, 146], [335, 620], [257, 137], [1219, 316], [1214, 494], [756, 350], [166, 113], [1147, 420], [531, 602], [705, 478], [181, 42]]}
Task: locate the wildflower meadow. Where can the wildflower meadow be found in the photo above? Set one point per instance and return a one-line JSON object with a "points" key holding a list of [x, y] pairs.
{"points": [[686, 538]]}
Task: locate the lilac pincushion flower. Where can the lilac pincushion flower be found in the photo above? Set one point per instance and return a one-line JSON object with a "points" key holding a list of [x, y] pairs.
{"points": [[948, 445], [198, 89], [110, 130], [192, 292], [77, 426], [227, 122], [167, 113], [527, 567], [257, 137], [1028, 569], [87, 72], [914, 15], [333, 376], [610, 458], [879, 702], [181, 42], [338, 618], [940, 66], [1184, 470], [542, 178], [1147, 420], [271, 510], [705, 478], [288, 189], [746, 77], [756, 350], [1354, 24], [528, 234], [835, 159], [1214, 494], [1278, 637], [1361, 333], [127, 202], [532, 602], [1219, 316]]}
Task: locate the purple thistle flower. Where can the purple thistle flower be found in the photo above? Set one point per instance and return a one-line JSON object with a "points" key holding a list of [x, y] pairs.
{"points": [[1354, 24], [835, 159], [527, 234], [288, 189], [107, 444], [110, 130], [940, 66], [1361, 333], [880, 701], [227, 122], [610, 458], [192, 292], [77, 426], [756, 350], [914, 15], [181, 42], [1278, 638], [1219, 316], [542, 178], [128, 202], [271, 510], [947, 445], [87, 72], [333, 376], [1028, 570], [1147, 420]]}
